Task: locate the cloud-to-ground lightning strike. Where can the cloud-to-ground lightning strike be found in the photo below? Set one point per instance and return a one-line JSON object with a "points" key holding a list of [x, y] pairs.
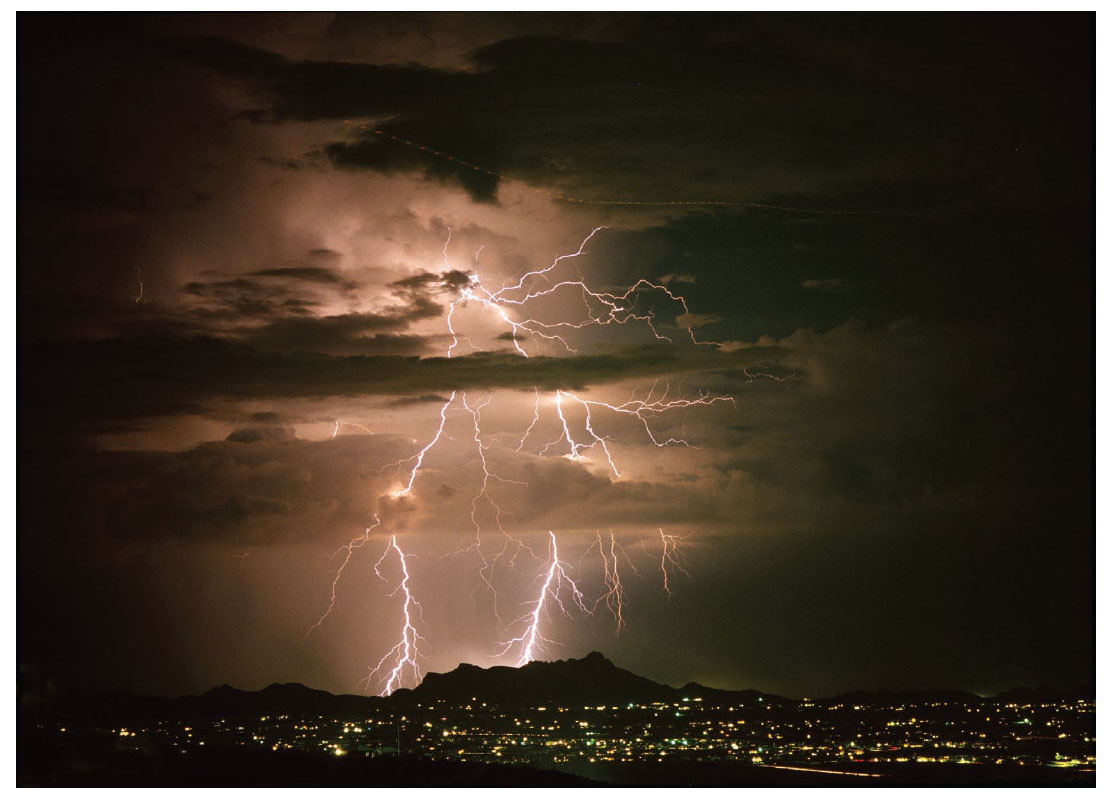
{"points": [[555, 580], [484, 494], [487, 565], [533, 422], [404, 653], [612, 579], [671, 557], [578, 417]]}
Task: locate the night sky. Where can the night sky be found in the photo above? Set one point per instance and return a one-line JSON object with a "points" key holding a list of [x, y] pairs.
{"points": [[233, 339]]}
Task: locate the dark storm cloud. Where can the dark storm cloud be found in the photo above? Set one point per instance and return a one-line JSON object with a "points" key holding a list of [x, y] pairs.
{"points": [[261, 434], [280, 309], [453, 280], [293, 288], [870, 440], [281, 163], [125, 378], [403, 402], [562, 495], [264, 485], [390, 157], [311, 274], [785, 107], [314, 89], [241, 299], [260, 485], [348, 334], [267, 417], [319, 332]]}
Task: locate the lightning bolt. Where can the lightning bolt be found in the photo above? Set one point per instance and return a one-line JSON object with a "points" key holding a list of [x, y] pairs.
{"points": [[486, 571], [642, 410], [555, 583], [339, 423], [584, 424], [600, 308], [533, 422], [348, 549], [608, 309], [420, 457], [612, 580], [671, 557], [401, 660], [488, 473]]}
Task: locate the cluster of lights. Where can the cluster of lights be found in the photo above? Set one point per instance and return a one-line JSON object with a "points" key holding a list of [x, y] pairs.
{"points": [[804, 735]]}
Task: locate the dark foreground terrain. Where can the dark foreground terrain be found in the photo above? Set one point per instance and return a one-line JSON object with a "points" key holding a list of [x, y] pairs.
{"points": [[46, 763], [69, 766]]}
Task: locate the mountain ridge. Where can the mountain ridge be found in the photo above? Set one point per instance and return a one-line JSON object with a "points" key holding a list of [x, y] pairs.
{"points": [[590, 680]]}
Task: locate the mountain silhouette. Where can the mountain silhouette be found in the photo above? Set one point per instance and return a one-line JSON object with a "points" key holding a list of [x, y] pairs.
{"points": [[277, 698], [591, 680], [225, 701]]}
